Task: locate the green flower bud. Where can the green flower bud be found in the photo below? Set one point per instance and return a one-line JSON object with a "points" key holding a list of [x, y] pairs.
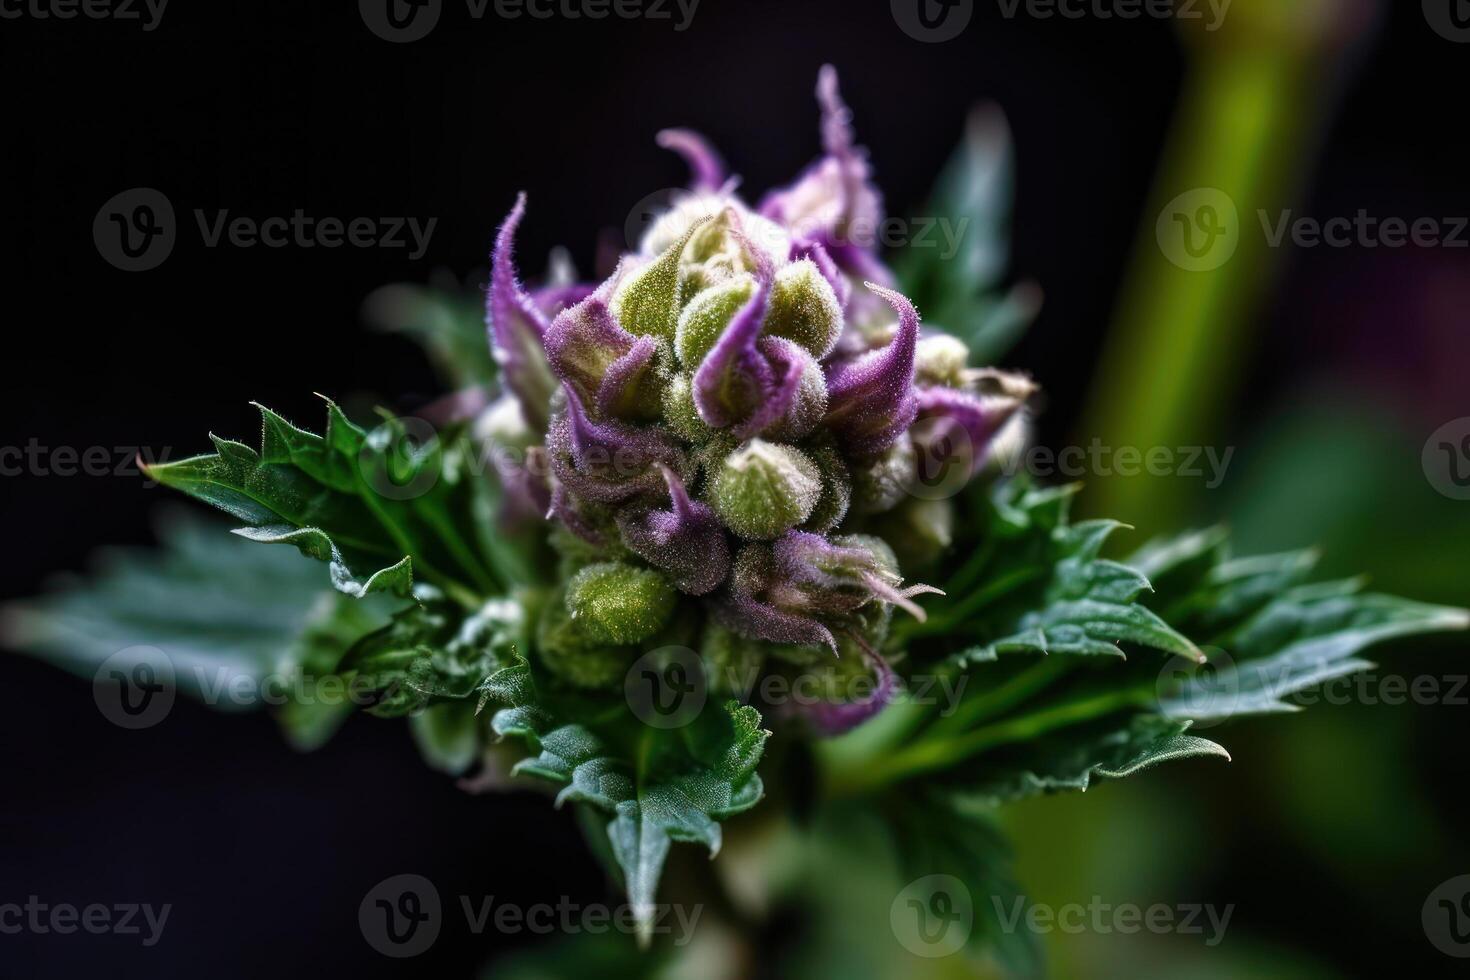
{"points": [[836, 490], [707, 316], [614, 602], [882, 483], [679, 412], [940, 359], [804, 308], [764, 489], [568, 652], [645, 302]]}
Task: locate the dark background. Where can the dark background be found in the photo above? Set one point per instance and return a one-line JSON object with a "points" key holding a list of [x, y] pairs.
{"points": [[263, 107]]}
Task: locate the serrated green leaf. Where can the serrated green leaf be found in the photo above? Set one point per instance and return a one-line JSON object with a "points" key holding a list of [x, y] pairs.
{"points": [[673, 786], [1071, 600], [1298, 641], [227, 616], [431, 653], [1073, 762], [379, 507]]}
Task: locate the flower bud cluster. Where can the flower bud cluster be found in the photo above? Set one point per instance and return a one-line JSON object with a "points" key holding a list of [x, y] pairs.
{"points": [[734, 421]]}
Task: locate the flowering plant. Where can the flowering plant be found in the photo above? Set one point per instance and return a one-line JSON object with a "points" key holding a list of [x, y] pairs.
{"points": [[732, 496]]}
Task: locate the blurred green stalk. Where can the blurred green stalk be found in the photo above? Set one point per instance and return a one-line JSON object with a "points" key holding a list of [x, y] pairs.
{"points": [[1256, 96]]}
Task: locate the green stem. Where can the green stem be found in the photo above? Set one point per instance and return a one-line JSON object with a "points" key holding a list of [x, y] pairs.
{"points": [[931, 756], [1002, 698]]}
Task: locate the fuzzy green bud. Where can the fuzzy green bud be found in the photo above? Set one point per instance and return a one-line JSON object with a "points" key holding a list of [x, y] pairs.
{"points": [[680, 413], [764, 489], [836, 490], [804, 308], [567, 651], [614, 602], [707, 316]]}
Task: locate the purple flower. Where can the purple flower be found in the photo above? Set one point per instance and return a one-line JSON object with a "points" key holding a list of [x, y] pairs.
{"points": [[607, 461], [686, 540], [871, 399], [518, 326]]}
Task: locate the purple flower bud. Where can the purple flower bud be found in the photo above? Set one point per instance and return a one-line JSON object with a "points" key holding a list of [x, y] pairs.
{"points": [[837, 577], [607, 461], [517, 327], [686, 541], [707, 171], [871, 398], [601, 361], [800, 588], [959, 424], [834, 203]]}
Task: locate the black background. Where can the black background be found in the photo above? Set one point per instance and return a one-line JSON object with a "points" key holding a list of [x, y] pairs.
{"points": [[263, 107]]}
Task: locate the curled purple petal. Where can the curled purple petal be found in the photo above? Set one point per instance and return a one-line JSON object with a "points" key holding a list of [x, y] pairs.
{"points": [[834, 202], [517, 326], [749, 617], [687, 540], [831, 718], [733, 377], [822, 259], [606, 461], [621, 381], [707, 171], [959, 425], [836, 578], [583, 342], [871, 399], [789, 362]]}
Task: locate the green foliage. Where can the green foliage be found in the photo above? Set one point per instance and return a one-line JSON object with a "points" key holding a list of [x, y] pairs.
{"points": [[657, 786], [952, 273], [226, 615], [382, 508]]}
